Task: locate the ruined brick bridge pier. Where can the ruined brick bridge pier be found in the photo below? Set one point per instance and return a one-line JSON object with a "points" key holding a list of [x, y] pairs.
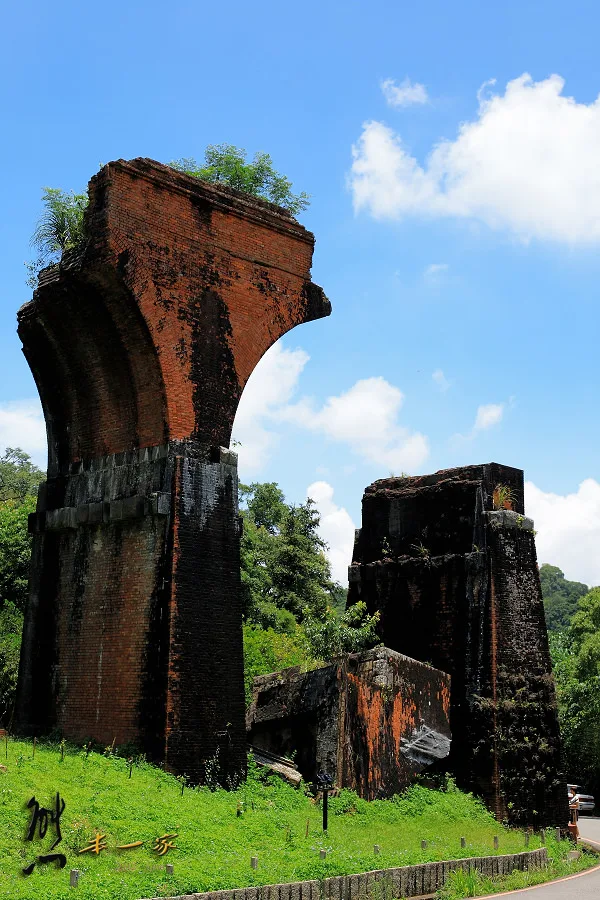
{"points": [[141, 342]]}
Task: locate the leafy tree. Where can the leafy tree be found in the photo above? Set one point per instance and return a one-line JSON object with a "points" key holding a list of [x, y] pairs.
{"points": [[585, 635], [11, 626], [59, 228], [266, 650], [19, 477], [285, 573], [560, 596], [349, 632], [576, 662], [19, 480], [226, 164], [15, 551]]}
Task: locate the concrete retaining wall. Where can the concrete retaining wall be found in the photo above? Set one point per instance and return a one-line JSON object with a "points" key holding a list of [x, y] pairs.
{"points": [[407, 881]]}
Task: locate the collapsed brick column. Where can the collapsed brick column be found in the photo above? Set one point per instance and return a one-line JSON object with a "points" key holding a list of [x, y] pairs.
{"points": [[457, 585], [141, 343]]}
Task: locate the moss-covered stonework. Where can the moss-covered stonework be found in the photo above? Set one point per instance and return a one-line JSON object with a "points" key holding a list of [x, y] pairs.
{"points": [[456, 584], [373, 720]]}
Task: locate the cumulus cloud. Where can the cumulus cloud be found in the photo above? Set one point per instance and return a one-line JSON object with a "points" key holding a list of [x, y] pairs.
{"points": [[366, 418], [270, 387], [440, 380], [336, 529], [526, 163], [407, 93], [568, 529], [22, 425]]}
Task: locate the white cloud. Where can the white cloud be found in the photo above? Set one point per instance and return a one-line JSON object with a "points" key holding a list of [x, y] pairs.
{"points": [[366, 418], [336, 529], [270, 387], [406, 94], [22, 425], [527, 163], [568, 529], [440, 380], [434, 272], [488, 415]]}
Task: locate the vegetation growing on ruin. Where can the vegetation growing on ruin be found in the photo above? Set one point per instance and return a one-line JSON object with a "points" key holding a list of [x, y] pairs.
{"points": [[226, 164], [61, 225], [214, 843]]}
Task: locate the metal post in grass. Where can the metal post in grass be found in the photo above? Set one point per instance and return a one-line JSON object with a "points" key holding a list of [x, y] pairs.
{"points": [[307, 827], [324, 783], [376, 849], [495, 842], [463, 843], [527, 839], [423, 845], [169, 868], [254, 862], [558, 835], [322, 854], [543, 835], [74, 877]]}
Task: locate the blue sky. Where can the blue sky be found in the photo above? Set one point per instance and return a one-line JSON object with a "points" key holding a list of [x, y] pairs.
{"points": [[451, 151]]}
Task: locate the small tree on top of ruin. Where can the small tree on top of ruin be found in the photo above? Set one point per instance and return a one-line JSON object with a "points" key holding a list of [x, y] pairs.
{"points": [[226, 164]]}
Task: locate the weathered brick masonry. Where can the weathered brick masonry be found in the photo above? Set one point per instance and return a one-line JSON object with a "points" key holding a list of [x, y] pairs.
{"points": [[141, 343], [373, 720], [457, 585]]}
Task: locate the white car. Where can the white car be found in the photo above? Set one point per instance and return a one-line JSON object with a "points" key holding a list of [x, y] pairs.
{"points": [[587, 804]]}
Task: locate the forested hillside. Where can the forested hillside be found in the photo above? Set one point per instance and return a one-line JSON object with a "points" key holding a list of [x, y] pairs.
{"points": [[560, 596]]}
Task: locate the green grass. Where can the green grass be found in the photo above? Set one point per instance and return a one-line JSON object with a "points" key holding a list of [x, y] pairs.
{"points": [[214, 845], [472, 884]]}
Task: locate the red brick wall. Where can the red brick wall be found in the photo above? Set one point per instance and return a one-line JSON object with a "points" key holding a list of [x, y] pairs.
{"points": [[141, 342], [107, 583]]}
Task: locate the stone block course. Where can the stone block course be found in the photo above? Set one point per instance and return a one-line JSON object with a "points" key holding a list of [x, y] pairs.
{"points": [[406, 881]]}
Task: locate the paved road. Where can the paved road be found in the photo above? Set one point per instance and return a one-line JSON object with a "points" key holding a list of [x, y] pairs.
{"points": [[576, 887]]}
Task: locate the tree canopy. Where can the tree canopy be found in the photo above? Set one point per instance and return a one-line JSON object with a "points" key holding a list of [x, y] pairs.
{"points": [[285, 573], [560, 596], [226, 164], [294, 612], [19, 480], [576, 661]]}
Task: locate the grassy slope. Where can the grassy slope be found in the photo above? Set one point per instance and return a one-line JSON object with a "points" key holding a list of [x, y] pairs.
{"points": [[214, 844]]}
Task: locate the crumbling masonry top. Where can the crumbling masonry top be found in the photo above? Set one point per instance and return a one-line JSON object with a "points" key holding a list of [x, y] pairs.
{"points": [[149, 331]]}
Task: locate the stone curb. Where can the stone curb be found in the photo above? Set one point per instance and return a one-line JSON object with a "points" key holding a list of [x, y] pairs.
{"points": [[407, 881]]}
